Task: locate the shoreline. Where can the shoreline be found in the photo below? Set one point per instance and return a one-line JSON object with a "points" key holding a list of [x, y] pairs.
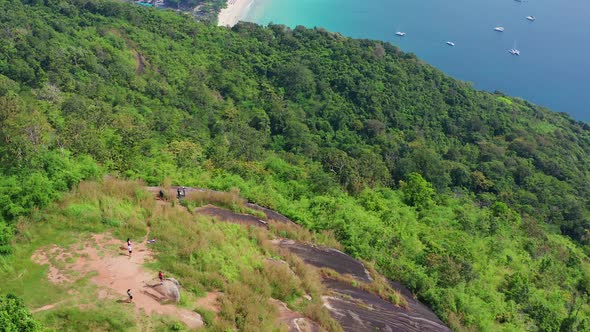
{"points": [[234, 12]]}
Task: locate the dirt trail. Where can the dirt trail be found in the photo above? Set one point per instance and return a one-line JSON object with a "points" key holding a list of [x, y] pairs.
{"points": [[115, 271], [47, 307]]}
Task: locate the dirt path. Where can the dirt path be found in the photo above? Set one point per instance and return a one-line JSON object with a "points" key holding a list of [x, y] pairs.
{"points": [[47, 307], [115, 273]]}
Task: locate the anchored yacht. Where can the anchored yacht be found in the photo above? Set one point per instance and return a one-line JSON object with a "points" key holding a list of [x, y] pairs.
{"points": [[514, 51]]}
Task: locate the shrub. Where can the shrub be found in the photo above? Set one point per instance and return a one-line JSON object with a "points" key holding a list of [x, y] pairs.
{"points": [[14, 316]]}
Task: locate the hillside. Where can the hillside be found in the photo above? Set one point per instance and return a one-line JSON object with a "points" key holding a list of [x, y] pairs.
{"points": [[477, 202], [73, 269]]}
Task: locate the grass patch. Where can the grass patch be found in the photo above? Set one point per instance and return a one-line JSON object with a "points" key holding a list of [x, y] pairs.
{"points": [[102, 318], [230, 200], [544, 127], [207, 256], [298, 233], [165, 323], [207, 315], [379, 287]]}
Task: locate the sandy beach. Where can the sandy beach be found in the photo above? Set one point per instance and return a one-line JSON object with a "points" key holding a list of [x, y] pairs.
{"points": [[235, 11]]}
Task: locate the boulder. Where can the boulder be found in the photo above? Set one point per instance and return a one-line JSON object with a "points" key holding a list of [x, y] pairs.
{"points": [[169, 290]]}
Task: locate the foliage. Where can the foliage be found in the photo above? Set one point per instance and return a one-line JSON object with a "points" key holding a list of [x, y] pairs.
{"points": [[14, 316], [492, 201], [417, 191]]}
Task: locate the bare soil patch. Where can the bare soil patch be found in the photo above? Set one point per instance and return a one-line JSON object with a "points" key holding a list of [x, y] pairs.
{"points": [[47, 307], [115, 272]]}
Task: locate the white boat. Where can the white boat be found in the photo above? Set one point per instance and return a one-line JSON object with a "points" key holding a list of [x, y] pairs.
{"points": [[400, 33], [450, 43], [499, 29], [531, 18], [514, 50]]}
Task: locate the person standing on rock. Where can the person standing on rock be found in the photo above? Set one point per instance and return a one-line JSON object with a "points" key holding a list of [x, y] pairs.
{"points": [[129, 246], [130, 296], [161, 276]]}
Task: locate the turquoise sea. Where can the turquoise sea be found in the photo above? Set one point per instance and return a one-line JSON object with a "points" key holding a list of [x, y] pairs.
{"points": [[553, 69]]}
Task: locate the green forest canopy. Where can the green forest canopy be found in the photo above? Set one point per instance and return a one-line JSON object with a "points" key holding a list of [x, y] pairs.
{"points": [[478, 202]]}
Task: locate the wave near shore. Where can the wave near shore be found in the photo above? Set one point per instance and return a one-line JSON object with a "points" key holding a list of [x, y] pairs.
{"points": [[234, 12]]}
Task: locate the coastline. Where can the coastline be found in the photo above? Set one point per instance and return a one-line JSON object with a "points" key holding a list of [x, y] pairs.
{"points": [[234, 12]]}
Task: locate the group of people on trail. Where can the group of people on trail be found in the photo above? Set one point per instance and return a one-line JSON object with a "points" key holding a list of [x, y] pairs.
{"points": [[180, 193], [160, 276], [160, 273]]}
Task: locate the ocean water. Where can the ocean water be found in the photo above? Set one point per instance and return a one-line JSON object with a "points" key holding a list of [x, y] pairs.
{"points": [[553, 69]]}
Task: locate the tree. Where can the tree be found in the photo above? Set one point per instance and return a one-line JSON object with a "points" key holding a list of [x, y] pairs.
{"points": [[186, 153], [517, 287], [6, 234], [297, 79], [417, 191], [14, 316]]}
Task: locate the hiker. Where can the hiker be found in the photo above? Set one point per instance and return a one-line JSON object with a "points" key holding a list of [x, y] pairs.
{"points": [[129, 247], [161, 194], [183, 191], [178, 192], [130, 296], [161, 276]]}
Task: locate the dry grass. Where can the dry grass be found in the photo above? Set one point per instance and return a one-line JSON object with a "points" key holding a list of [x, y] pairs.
{"points": [[380, 286], [296, 272], [311, 280], [208, 256], [247, 308], [319, 314], [298, 233], [231, 199], [109, 186]]}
